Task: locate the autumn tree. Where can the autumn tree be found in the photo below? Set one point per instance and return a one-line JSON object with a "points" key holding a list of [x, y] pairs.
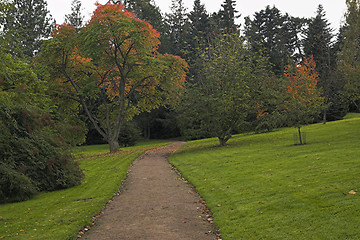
{"points": [[303, 98], [112, 69]]}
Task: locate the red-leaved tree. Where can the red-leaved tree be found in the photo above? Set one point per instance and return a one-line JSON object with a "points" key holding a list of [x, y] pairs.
{"points": [[303, 97], [111, 67]]}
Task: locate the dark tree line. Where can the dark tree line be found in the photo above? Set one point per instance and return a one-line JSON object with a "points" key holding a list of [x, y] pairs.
{"points": [[270, 33]]}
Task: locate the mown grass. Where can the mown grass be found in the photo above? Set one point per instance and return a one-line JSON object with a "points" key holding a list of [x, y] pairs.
{"points": [[61, 214], [261, 186]]}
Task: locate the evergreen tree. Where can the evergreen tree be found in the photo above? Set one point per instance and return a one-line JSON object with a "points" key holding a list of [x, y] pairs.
{"points": [[276, 36], [199, 32], [318, 43], [199, 22], [227, 16], [75, 18], [25, 25], [349, 55], [178, 26]]}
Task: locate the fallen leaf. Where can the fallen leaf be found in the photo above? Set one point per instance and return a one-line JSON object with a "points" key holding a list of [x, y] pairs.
{"points": [[352, 192]]}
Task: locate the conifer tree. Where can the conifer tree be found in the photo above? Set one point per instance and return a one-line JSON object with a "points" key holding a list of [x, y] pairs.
{"points": [[227, 16], [199, 32], [349, 55], [25, 25], [318, 43], [178, 25], [75, 18], [275, 35]]}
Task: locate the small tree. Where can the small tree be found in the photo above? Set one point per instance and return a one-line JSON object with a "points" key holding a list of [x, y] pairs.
{"points": [[220, 100], [304, 100], [112, 69]]}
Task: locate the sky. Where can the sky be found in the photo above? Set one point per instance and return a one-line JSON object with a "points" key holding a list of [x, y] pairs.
{"points": [[334, 9]]}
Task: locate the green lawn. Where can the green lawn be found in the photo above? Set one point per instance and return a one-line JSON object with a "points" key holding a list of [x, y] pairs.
{"points": [[61, 214], [261, 186]]}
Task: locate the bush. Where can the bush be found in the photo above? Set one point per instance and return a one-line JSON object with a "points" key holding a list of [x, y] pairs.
{"points": [[129, 134], [14, 186], [33, 154]]}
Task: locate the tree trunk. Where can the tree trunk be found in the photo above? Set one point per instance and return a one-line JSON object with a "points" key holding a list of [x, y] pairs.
{"points": [[223, 140], [324, 117], [114, 145], [301, 142]]}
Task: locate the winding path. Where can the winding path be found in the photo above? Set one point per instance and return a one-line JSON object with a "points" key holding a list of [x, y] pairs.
{"points": [[154, 204]]}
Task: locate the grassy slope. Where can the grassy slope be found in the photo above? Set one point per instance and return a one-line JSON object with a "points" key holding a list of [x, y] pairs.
{"points": [[61, 214], [263, 187]]}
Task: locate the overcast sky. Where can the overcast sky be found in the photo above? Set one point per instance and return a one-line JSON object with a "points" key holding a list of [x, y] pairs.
{"points": [[335, 9]]}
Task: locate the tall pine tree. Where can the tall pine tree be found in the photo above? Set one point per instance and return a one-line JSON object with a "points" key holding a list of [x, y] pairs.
{"points": [[75, 18], [349, 55], [318, 43], [178, 26], [199, 31], [275, 35], [25, 25], [226, 17]]}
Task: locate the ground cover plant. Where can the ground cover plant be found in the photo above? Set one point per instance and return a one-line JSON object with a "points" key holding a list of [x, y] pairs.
{"points": [[261, 186], [61, 214]]}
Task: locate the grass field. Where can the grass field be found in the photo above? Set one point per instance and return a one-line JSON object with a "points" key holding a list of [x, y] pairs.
{"points": [[61, 214], [261, 186]]}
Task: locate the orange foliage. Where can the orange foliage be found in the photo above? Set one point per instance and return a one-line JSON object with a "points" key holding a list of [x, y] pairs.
{"points": [[303, 78], [63, 31], [260, 111], [117, 13]]}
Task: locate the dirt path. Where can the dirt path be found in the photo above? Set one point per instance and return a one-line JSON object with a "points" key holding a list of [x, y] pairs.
{"points": [[154, 204]]}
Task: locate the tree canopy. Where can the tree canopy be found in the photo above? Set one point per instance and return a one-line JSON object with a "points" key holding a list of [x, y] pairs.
{"points": [[112, 66]]}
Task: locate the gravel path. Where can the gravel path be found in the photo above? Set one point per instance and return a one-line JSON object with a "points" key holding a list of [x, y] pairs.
{"points": [[154, 204]]}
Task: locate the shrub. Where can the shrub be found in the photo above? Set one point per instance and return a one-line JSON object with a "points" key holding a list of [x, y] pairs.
{"points": [[33, 154], [14, 186], [129, 134]]}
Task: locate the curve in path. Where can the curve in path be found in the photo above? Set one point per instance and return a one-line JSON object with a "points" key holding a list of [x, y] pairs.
{"points": [[154, 204]]}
